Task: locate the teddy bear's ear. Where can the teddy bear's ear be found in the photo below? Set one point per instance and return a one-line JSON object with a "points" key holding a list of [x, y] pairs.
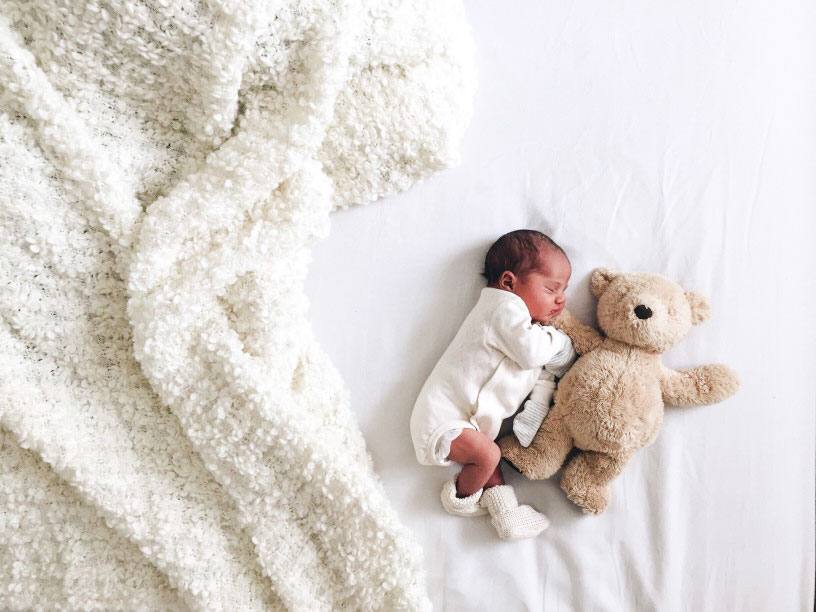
{"points": [[700, 310], [600, 280]]}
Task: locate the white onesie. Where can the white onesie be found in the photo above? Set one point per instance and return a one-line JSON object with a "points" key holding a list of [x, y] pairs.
{"points": [[491, 365]]}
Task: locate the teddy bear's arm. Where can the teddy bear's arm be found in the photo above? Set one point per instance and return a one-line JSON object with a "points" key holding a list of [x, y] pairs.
{"points": [[698, 386], [584, 338]]}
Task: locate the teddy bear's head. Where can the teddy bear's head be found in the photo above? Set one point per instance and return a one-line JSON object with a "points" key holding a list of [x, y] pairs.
{"points": [[646, 310]]}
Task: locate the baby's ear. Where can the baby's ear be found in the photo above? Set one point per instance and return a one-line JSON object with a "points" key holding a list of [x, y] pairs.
{"points": [[700, 310], [600, 280]]}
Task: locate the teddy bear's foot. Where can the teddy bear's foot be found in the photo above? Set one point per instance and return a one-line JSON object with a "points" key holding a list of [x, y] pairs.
{"points": [[591, 498], [586, 479], [511, 452]]}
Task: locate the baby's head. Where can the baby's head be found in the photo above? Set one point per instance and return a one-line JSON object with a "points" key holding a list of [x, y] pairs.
{"points": [[530, 265]]}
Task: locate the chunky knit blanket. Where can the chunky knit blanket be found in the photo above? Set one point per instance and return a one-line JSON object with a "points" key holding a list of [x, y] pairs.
{"points": [[171, 436]]}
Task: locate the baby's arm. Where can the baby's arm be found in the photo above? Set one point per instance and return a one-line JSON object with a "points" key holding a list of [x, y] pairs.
{"points": [[529, 344], [528, 421], [563, 360]]}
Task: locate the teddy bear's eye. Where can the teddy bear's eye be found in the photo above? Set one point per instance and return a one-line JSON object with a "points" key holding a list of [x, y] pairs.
{"points": [[643, 312]]}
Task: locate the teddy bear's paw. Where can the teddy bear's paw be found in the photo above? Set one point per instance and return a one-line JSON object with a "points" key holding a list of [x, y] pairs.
{"points": [[517, 456], [511, 452], [535, 473], [562, 320], [722, 382], [591, 498], [592, 501], [511, 465]]}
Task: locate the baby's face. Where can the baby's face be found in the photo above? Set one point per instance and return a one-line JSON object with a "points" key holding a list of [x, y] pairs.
{"points": [[543, 289]]}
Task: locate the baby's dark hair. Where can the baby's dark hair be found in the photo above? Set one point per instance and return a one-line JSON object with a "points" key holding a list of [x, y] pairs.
{"points": [[519, 252]]}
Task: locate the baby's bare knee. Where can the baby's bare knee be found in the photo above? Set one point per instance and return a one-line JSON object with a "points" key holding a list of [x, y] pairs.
{"points": [[492, 454], [476, 448], [488, 451]]}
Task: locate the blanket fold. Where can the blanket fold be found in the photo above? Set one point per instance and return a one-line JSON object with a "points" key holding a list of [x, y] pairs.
{"points": [[171, 434]]}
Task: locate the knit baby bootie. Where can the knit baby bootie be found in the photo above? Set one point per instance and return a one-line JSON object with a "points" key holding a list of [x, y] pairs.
{"points": [[512, 522], [461, 506]]}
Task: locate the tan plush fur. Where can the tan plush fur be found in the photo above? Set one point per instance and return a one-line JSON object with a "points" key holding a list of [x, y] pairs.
{"points": [[610, 403]]}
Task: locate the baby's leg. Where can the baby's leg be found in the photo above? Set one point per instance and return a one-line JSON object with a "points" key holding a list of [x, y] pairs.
{"points": [[480, 456]]}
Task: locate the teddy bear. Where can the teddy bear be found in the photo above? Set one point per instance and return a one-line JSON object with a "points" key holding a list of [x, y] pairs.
{"points": [[610, 403]]}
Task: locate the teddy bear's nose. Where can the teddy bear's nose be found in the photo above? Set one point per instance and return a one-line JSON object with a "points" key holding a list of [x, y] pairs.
{"points": [[643, 312]]}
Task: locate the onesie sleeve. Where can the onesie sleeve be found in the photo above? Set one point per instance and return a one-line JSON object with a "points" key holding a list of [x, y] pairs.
{"points": [[529, 344], [563, 359]]}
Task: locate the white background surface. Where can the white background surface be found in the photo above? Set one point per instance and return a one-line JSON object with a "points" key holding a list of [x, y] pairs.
{"points": [[672, 137]]}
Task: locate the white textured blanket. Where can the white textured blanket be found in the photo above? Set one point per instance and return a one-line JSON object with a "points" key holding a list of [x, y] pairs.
{"points": [[171, 436]]}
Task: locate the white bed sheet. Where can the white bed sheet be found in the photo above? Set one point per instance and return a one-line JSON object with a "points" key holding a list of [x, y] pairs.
{"points": [[674, 137]]}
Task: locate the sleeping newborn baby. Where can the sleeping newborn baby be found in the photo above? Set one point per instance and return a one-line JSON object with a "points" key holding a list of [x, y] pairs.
{"points": [[503, 352]]}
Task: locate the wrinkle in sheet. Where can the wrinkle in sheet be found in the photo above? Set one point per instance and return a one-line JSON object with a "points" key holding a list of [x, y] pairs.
{"points": [[659, 518], [664, 207], [560, 35], [618, 201], [757, 181], [638, 587], [574, 587]]}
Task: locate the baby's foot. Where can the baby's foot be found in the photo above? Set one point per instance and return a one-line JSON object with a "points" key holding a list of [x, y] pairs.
{"points": [[510, 520], [461, 506]]}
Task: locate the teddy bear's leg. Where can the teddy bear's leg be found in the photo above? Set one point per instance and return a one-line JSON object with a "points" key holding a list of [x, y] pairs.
{"points": [[546, 452], [586, 479]]}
